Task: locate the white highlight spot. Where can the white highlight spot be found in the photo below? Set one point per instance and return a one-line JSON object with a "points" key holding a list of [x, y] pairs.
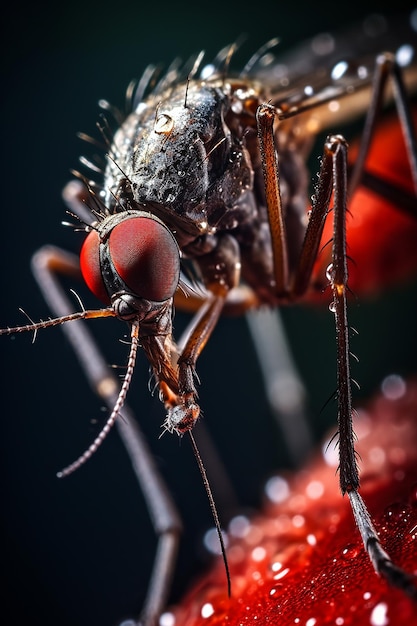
{"points": [[277, 489], [282, 574], [167, 619], [207, 610], [239, 526], [330, 452], [211, 541], [258, 554], [404, 55], [339, 69], [298, 521], [315, 489], [334, 106], [393, 387], [379, 615]]}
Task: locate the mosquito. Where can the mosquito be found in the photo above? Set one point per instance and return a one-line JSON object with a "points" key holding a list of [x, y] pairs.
{"points": [[202, 205]]}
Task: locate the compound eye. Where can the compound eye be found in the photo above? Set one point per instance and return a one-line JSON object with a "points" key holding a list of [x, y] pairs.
{"points": [[90, 266], [146, 257]]}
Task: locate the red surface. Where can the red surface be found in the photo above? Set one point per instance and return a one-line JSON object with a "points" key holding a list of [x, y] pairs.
{"points": [[302, 560]]}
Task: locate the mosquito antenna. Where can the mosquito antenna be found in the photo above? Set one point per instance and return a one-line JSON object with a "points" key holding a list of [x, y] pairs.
{"points": [[134, 335], [213, 509], [35, 326]]}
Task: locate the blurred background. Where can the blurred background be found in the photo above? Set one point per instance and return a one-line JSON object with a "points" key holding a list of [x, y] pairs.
{"points": [[78, 551]]}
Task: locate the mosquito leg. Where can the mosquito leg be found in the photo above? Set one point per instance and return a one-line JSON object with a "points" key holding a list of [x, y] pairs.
{"points": [[386, 70], [284, 388], [265, 117], [183, 410], [380, 559], [221, 271], [312, 238], [46, 263], [338, 274], [348, 469]]}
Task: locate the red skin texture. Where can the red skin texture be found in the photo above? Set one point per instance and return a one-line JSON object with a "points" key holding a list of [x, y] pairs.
{"points": [[325, 576]]}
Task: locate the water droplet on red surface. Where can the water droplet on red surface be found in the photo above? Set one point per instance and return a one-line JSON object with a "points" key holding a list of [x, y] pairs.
{"points": [[288, 572], [397, 511], [350, 552]]}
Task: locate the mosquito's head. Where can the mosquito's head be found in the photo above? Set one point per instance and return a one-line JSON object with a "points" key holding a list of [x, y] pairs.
{"points": [[131, 260]]}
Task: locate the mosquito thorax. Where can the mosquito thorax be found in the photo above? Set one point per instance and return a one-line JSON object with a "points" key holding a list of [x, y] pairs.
{"points": [[179, 153]]}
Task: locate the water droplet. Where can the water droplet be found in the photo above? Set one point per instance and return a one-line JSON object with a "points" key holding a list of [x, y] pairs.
{"points": [[163, 124], [311, 622], [276, 566], [281, 574], [276, 589], [332, 307], [350, 552], [397, 511], [329, 272]]}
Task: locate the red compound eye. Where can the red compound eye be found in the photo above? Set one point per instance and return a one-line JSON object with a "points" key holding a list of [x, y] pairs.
{"points": [[145, 255], [90, 266]]}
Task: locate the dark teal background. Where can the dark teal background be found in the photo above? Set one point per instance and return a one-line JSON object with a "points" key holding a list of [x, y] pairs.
{"points": [[78, 551]]}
